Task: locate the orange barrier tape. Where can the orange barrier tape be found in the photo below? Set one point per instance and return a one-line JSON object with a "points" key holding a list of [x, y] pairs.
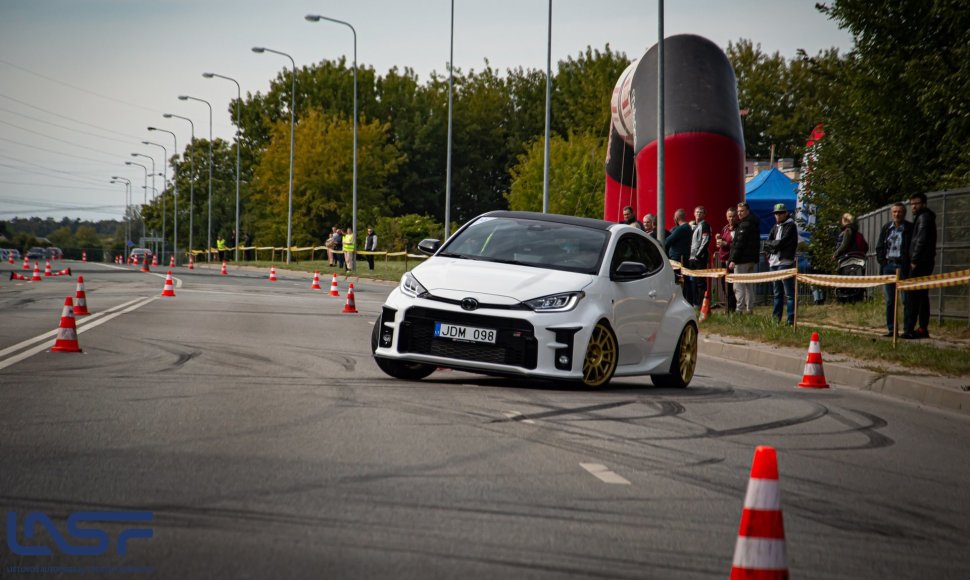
{"points": [[936, 281], [757, 277], [707, 273], [834, 281]]}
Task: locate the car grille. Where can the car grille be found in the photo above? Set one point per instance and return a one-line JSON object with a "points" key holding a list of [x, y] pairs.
{"points": [[515, 343]]}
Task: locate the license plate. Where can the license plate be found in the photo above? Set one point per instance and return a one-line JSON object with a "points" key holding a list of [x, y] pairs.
{"points": [[464, 333]]}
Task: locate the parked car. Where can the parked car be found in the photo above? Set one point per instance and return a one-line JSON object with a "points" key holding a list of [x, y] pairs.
{"points": [[16, 254], [142, 254], [54, 253], [540, 295], [37, 253]]}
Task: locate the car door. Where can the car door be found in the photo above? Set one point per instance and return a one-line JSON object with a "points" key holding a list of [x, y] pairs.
{"points": [[638, 304]]}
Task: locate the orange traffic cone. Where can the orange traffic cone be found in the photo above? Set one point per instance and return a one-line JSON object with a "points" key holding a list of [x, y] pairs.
{"points": [[171, 262], [705, 307], [16, 276], [814, 376], [80, 299], [26, 264], [10, 258], [67, 330], [64, 272], [36, 277], [333, 286], [272, 273], [760, 551], [145, 264], [84, 256], [191, 263], [316, 281], [133, 260], [169, 289], [224, 272], [47, 269], [350, 306], [154, 259]]}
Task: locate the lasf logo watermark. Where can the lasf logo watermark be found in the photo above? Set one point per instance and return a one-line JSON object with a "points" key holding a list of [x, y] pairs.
{"points": [[97, 541]]}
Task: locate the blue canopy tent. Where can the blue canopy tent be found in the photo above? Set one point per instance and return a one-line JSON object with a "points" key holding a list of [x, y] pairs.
{"points": [[764, 191]]}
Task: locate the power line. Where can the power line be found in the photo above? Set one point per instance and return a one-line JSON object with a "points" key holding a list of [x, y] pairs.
{"points": [[57, 186], [46, 172], [57, 152], [39, 134], [26, 104], [39, 120]]}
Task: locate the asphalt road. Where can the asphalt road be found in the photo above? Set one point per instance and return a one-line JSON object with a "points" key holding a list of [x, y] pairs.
{"points": [[249, 417]]}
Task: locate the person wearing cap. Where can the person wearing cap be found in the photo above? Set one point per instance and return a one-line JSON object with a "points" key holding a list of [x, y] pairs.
{"points": [[745, 250], [780, 246]]}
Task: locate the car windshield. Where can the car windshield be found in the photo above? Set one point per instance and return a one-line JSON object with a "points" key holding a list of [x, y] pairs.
{"points": [[526, 242]]}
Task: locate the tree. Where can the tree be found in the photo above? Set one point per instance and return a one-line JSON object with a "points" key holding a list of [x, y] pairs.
{"points": [[581, 91], [87, 237], [576, 180]]}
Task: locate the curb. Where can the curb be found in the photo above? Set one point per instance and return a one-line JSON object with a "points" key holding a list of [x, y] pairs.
{"points": [[951, 396]]}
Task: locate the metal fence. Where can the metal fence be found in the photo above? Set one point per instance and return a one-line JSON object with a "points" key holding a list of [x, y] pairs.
{"points": [[952, 209]]}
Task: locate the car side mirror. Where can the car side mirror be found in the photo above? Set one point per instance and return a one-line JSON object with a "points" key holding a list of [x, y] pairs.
{"points": [[429, 246], [630, 271]]}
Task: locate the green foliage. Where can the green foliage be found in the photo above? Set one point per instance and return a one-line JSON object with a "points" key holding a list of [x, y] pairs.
{"points": [[582, 90], [395, 234], [575, 180]]}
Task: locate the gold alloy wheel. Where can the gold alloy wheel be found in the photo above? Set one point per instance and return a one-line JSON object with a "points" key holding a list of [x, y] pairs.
{"points": [[601, 357], [688, 353]]}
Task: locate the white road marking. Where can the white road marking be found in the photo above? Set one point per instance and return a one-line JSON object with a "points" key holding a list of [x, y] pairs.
{"points": [[88, 324], [514, 415], [603, 473]]}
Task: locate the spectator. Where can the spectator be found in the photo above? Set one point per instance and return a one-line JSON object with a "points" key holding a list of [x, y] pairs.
{"points": [[349, 246], [330, 243], [370, 245], [700, 244], [677, 245], [650, 224], [248, 242], [630, 219], [922, 258], [851, 241], [338, 246], [780, 246], [892, 253], [723, 242], [221, 247], [745, 249]]}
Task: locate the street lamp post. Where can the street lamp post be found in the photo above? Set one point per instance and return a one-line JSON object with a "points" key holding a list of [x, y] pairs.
{"points": [[451, 66], [545, 164], [175, 233], [317, 18], [127, 182], [152, 159], [191, 181], [208, 248], [289, 210], [164, 175], [238, 136], [145, 168]]}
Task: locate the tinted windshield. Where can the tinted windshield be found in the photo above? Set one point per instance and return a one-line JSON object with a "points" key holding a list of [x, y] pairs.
{"points": [[540, 244]]}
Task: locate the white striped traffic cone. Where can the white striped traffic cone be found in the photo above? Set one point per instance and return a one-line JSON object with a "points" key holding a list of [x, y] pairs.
{"points": [[272, 273], [80, 299], [67, 330], [224, 271], [171, 261], [36, 277], [333, 286], [316, 281], [47, 269], [814, 375], [760, 552], [169, 288]]}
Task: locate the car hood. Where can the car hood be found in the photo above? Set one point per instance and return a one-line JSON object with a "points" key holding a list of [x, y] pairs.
{"points": [[455, 279]]}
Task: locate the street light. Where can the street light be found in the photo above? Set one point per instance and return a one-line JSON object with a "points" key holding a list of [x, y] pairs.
{"points": [[545, 164], [145, 167], [208, 248], [152, 159], [127, 182], [191, 181], [289, 210], [175, 236], [451, 58], [164, 175], [238, 139], [317, 18]]}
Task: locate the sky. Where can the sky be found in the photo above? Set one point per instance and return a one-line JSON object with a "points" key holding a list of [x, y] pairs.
{"points": [[81, 80]]}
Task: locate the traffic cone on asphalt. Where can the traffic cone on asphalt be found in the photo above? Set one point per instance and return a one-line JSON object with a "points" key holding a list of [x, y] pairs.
{"points": [[10, 258], [350, 306], [133, 260], [191, 263], [47, 269], [171, 262], [272, 273], [814, 376], [80, 299], [16, 276], [36, 277], [64, 272], [705, 307], [316, 281], [760, 550], [154, 259], [26, 264], [169, 289], [144, 265], [224, 272], [67, 331], [84, 256], [333, 286]]}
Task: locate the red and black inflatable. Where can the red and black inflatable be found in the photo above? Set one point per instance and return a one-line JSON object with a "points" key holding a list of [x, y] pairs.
{"points": [[703, 141]]}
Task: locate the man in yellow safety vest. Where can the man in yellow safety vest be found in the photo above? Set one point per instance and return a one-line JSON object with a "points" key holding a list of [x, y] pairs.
{"points": [[349, 247]]}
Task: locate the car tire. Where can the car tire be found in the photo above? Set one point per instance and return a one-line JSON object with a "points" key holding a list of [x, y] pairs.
{"points": [[406, 371], [602, 355], [683, 363]]}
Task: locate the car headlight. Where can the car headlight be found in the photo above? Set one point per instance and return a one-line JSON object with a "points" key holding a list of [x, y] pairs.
{"points": [[411, 286], [555, 303]]}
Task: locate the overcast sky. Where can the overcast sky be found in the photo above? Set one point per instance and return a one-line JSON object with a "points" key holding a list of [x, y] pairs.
{"points": [[80, 80]]}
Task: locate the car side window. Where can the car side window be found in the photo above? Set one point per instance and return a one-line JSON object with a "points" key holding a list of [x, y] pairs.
{"points": [[634, 248]]}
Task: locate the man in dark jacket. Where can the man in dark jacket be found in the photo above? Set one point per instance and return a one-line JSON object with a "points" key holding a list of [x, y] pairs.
{"points": [[780, 246], [922, 258], [892, 253], [744, 255], [677, 245]]}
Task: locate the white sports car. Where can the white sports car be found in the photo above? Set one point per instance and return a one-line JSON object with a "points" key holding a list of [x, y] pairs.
{"points": [[540, 295]]}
